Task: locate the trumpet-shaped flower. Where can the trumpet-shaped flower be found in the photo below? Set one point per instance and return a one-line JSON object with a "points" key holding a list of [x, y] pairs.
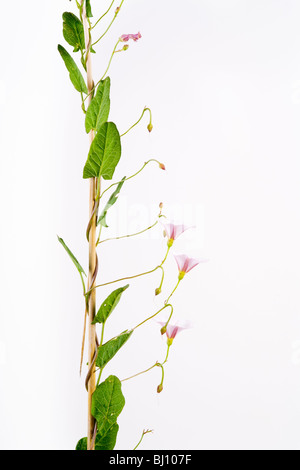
{"points": [[134, 37], [172, 330], [173, 231], [185, 264]]}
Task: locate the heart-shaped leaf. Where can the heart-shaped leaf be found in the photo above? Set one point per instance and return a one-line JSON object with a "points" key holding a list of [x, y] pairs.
{"points": [[107, 403]]}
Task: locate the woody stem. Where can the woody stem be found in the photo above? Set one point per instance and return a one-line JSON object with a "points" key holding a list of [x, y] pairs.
{"points": [[92, 251]]}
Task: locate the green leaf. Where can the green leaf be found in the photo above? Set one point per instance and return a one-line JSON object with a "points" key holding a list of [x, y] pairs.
{"points": [[98, 110], [73, 31], [74, 72], [108, 350], [104, 154], [112, 200], [109, 305], [75, 261], [88, 8], [105, 441], [108, 440], [107, 403], [81, 444]]}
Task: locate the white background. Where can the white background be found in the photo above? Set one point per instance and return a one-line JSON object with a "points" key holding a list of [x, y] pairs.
{"points": [[222, 78]]}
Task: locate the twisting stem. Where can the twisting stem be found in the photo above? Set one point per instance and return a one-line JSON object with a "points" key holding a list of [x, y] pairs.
{"points": [[129, 177], [104, 14], [129, 235], [110, 24], [141, 117], [92, 250]]}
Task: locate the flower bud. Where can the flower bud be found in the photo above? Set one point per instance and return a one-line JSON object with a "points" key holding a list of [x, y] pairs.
{"points": [[150, 127], [117, 10], [163, 330], [162, 166], [125, 47], [157, 291], [160, 388]]}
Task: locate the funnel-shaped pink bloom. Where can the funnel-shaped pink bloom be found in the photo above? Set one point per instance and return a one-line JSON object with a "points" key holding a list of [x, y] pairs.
{"points": [[134, 37], [173, 231], [172, 330], [185, 264]]}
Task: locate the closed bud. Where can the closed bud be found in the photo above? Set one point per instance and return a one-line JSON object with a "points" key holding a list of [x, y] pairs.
{"points": [[125, 47], [162, 166], [163, 330], [160, 388], [150, 127], [157, 291]]}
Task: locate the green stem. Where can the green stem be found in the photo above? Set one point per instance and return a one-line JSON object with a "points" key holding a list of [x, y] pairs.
{"points": [[142, 436], [129, 177], [154, 315], [145, 109], [131, 277], [103, 15], [168, 349], [95, 86], [122, 279], [140, 373], [110, 24], [167, 301], [130, 235], [110, 60]]}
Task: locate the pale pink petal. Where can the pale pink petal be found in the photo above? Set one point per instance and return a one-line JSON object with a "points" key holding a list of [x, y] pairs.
{"points": [[180, 260], [179, 229], [134, 37], [173, 231], [185, 264], [191, 263], [175, 327]]}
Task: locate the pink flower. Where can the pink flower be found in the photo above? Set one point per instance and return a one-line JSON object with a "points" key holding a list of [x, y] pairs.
{"points": [[173, 231], [185, 264], [172, 330], [134, 37]]}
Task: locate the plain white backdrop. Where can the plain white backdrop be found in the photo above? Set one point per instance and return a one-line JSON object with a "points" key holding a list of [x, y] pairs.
{"points": [[222, 78]]}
